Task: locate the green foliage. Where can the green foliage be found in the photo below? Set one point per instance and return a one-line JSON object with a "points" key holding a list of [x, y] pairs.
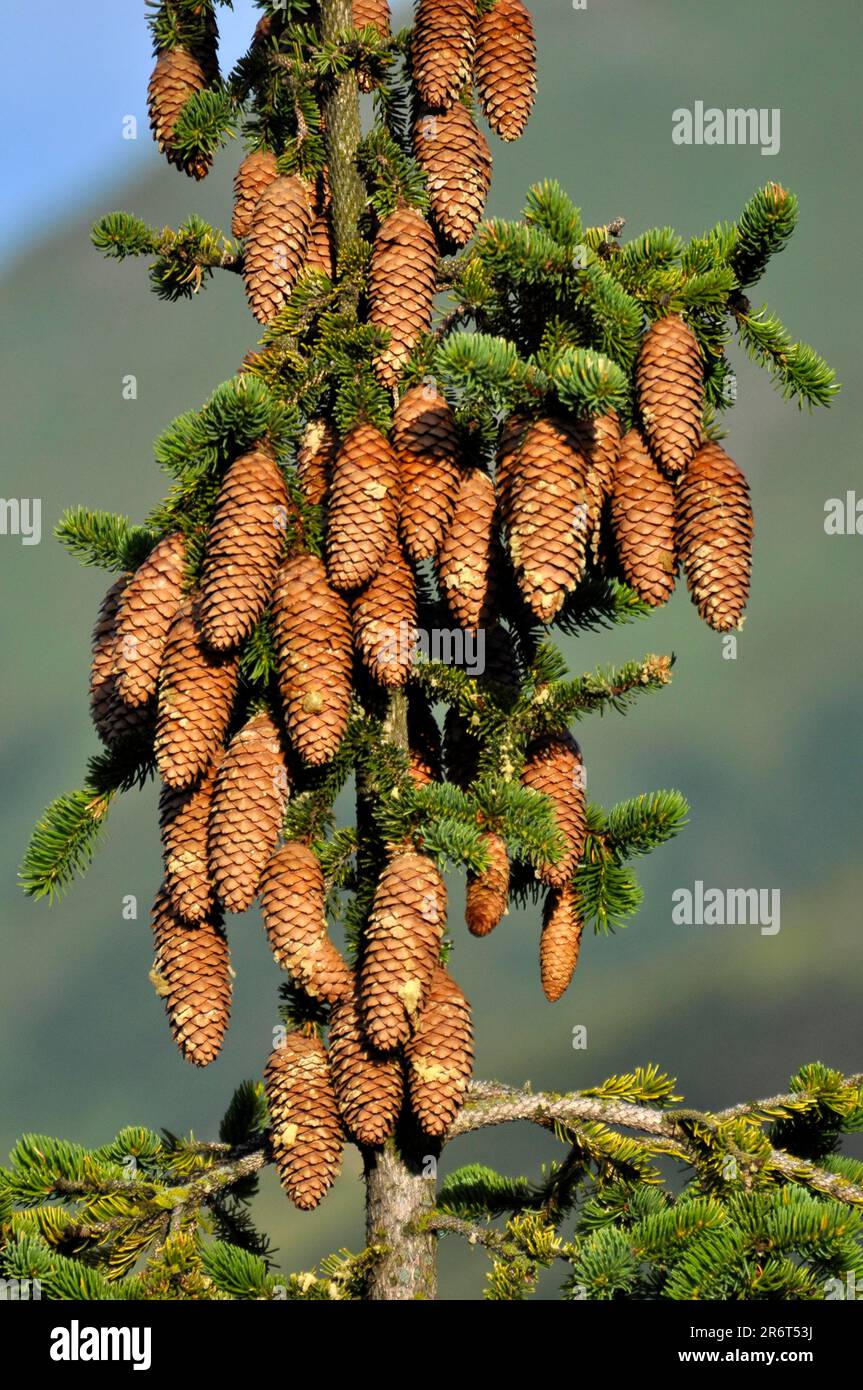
{"points": [[103, 539]]}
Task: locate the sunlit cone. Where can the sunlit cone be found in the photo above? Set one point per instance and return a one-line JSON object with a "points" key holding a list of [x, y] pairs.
{"points": [[439, 1056], [457, 162], [315, 458], [113, 719], [506, 67], [426, 437], [246, 814], [196, 692], [257, 171], [401, 287], [276, 245], [192, 973], [306, 1134], [313, 639], [670, 392], [560, 942], [183, 818], [549, 512], [363, 511], [442, 51], [714, 536], [510, 441], [554, 767], [402, 947], [467, 559], [243, 549], [384, 616], [293, 899], [642, 518], [424, 740], [368, 1086], [148, 605], [487, 892], [374, 14], [177, 76]]}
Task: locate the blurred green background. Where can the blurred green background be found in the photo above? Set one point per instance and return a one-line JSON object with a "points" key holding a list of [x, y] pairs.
{"points": [[766, 747]]}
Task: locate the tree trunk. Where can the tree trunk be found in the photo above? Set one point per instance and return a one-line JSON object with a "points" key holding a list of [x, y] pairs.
{"points": [[400, 1193]]}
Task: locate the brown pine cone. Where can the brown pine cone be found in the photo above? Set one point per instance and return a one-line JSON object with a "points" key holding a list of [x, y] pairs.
{"points": [[368, 1087], [442, 49], [313, 638], [715, 526], [364, 503], [177, 76], [113, 719], [424, 740], [468, 557], [549, 514], [293, 899], [457, 161], [559, 945], [642, 517], [257, 171], [439, 1056], [670, 386], [488, 892], [192, 973], [246, 814], [306, 1134], [402, 281], [315, 458], [147, 608], [183, 817], [373, 14], [510, 441], [402, 947], [554, 767], [196, 692], [384, 616], [276, 245], [426, 437], [319, 252], [243, 549], [599, 441], [506, 67]]}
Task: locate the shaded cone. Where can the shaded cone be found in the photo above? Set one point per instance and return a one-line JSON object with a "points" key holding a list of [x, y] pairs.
{"points": [[560, 942], [714, 536], [642, 518], [149, 603], [442, 49], [457, 161], [439, 1056], [402, 285], [384, 616], [257, 171], [669, 379], [554, 767], [113, 719], [402, 946], [246, 815], [306, 1134], [192, 973], [368, 1086], [315, 458], [512, 436], [293, 899], [276, 245], [487, 892], [177, 76], [243, 549], [506, 67], [313, 638], [196, 692], [183, 818], [426, 437], [364, 500], [550, 511], [467, 560]]}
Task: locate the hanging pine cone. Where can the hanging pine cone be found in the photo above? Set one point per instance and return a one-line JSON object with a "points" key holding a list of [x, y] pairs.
{"points": [[177, 76], [319, 252], [257, 171], [276, 245], [384, 616], [457, 162], [467, 559], [368, 1086], [549, 513], [439, 1056], [488, 892], [402, 947], [364, 502], [293, 899], [714, 536], [424, 740], [561, 940], [642, 517], [671, 392], [599, 440], [506, 67], [243, 549], [183, 817], [315, 458], [554, 767], [192, 973], [113, 719], [246, 814], [402, 281], [371, 14], [313, 638], [442, 50], [149, 602], [196, 692], [306, 1134], [510, 441], [426, 437]]}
